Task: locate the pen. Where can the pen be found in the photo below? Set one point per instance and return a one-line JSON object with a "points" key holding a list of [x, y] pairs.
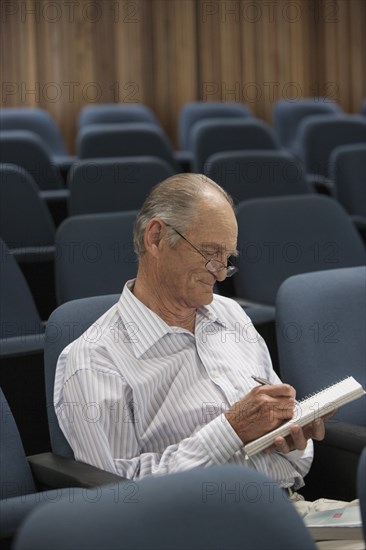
{"points": [[264, 382], [261, 381]]}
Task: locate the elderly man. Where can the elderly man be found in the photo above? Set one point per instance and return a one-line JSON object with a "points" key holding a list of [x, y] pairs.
{"points": [[171, 374]]}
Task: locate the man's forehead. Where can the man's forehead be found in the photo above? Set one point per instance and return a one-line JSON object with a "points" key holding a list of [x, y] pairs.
{"points": [[216, 228], [219, 247]]}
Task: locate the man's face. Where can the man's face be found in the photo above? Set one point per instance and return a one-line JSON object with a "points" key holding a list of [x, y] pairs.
{"points": [[182, 272]]}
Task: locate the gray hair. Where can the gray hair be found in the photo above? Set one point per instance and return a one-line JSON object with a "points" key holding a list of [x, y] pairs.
{"points": [[174, 200]]}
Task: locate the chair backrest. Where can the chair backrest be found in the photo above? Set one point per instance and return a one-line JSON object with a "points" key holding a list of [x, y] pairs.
{"points": [[15, 473], [124, 140], [361, 488], [219, 135], [249, 174], [213, 508], [66, 323], [196, 111], [283, 236], [347, 169], [109, 185], [111, 113], [287, 115], [26, 149], [94, 255], [363, 107], [24, 218], [319, 135], [35, 120], [321, 327], [19, 314]]}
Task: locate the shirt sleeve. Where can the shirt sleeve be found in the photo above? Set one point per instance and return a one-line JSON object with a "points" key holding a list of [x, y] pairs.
{"points": [[95, 413], [302, 460]]}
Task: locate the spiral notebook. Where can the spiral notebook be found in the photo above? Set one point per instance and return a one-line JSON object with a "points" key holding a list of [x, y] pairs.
{"points": [[310, 408]]}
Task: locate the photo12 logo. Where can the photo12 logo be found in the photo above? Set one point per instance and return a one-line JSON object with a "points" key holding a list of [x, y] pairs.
{"points": [[70, 11], [69, 92], [270, 11]]}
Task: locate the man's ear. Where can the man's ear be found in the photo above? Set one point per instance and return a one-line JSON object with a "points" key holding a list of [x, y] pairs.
{"points": [[153, 235]]}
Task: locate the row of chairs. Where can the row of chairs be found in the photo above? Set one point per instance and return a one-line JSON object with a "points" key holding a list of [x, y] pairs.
{"points": [[287, 115], [316, 137], [320, 325], [108, 185], [216, 143], [115, 184], [112, 184], [278, 237]]}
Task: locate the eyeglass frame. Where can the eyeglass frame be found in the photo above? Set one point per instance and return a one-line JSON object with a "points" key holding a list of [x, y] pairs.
{"points": [[230, 268]]}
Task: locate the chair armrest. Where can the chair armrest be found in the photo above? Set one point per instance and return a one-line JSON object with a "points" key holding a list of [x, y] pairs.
{"points": [[258, 313], [31, 254], [22, 346], [345, 436], [359, 223], [51, 471], [56, 201], [320, 184], [54, 195], [64, 162]]}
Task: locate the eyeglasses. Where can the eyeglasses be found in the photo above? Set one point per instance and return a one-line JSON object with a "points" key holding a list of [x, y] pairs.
{"points": [[213, 266]]}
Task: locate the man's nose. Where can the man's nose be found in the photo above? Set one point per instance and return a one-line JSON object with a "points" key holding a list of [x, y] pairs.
{"points": [[221, 274]]}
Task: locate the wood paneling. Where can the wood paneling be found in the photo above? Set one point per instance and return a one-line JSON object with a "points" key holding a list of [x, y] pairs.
{"points": [[63, 55]]}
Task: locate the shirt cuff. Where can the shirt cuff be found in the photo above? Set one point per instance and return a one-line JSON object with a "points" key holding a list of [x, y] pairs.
{"points": [[308, 452], [220, 440]]}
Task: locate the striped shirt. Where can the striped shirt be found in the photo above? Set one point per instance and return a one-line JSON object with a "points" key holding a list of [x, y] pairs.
{"points": [[135, 396]]}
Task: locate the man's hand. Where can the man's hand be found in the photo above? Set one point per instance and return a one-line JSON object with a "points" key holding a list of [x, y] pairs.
{"points": [[262, 410], [298, 437]]}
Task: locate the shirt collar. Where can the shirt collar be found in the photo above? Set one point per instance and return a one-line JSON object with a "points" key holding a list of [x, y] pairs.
{"points": [[147, 327]]}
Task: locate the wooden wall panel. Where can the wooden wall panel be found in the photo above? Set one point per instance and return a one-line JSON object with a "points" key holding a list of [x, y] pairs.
{"points": [[64, 55], [173, 60], [355, 59]]}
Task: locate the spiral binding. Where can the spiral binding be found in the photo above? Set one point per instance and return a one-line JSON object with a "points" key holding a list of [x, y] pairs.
{"points": [[326, 388]]}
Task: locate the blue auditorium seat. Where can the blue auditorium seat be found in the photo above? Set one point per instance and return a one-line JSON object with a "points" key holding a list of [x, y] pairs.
{"points": [[283, 236], [27, 227], [112, 184], [196, 111], [19, 492], [27, 150], [95, 255], [249, 174], [288, 114], [219, 135], [222, 507], [319, 135], [41, 123], [80, 315], [125, 140], [116, 113], [347, 170], [321, 326]]}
